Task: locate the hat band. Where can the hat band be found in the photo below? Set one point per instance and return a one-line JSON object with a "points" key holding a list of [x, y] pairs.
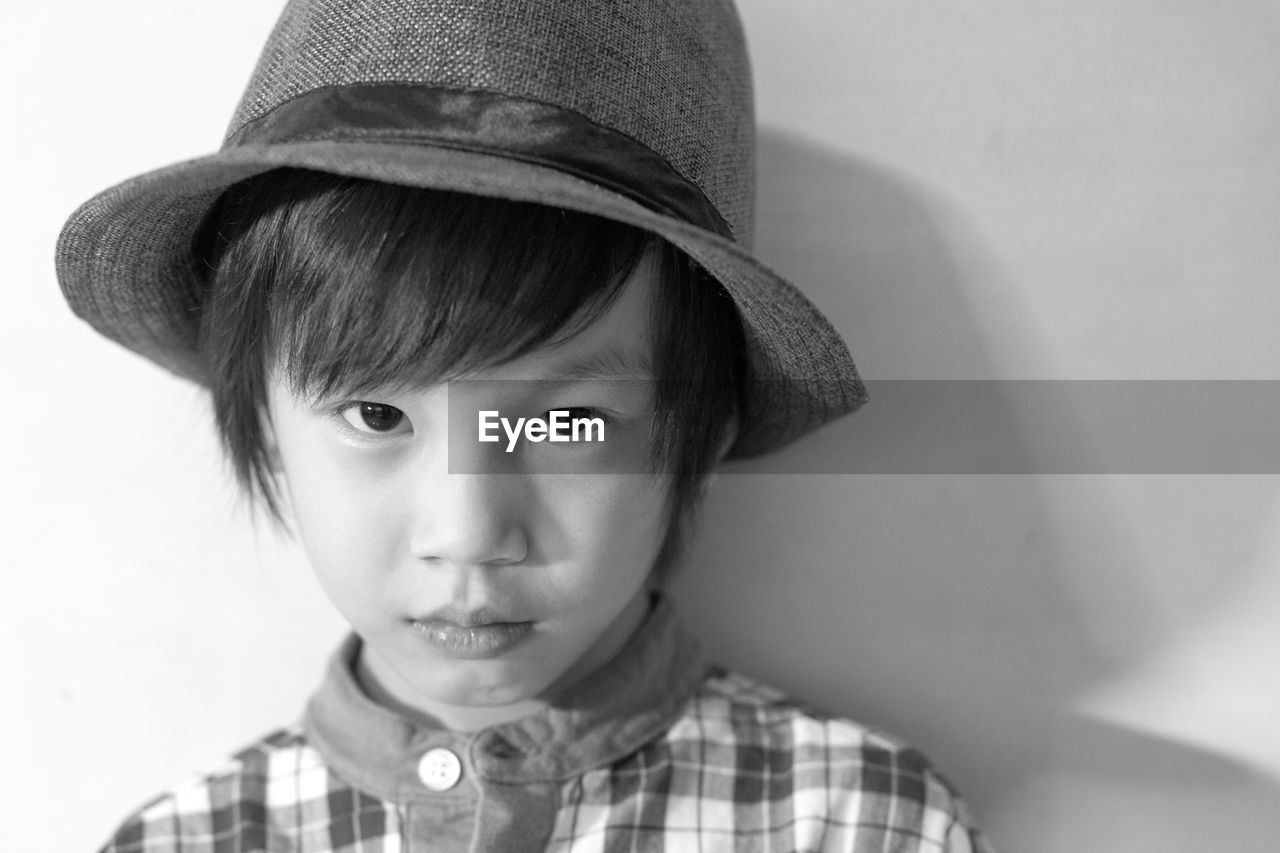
{"points": [[487, 123]]}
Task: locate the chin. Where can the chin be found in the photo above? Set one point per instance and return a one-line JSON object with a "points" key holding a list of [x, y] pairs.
{"points": [[468, 690]]}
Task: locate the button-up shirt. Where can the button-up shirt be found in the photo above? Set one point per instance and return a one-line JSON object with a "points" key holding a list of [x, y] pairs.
{"points": [[656, 751]]}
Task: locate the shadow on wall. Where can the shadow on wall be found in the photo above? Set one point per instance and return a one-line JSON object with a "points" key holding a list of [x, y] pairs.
{"points": [[965, 613]]}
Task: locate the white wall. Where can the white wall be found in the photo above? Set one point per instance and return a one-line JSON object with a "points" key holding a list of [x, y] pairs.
{"points": [[1042, 189]]}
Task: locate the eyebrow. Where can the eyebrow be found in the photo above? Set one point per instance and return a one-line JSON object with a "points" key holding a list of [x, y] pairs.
{"points": [[608, 363]]}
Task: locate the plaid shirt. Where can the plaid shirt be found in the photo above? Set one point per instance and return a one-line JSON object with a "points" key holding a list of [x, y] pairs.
{"points": [[655, 753]]}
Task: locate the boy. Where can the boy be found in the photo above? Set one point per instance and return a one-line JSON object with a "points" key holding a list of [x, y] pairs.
{"points": [[435, 216]]}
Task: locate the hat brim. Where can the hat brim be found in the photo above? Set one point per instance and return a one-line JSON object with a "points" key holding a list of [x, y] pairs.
{"points": [[127, 265]]}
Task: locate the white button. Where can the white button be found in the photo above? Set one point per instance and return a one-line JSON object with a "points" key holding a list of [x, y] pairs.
{"points": [[439, 769]]}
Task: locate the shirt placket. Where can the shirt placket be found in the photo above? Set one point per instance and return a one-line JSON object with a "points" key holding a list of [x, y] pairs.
{"points": [[439, 795]]}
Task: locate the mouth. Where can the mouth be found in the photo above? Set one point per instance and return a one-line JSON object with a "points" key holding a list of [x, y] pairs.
{"points": [[471, 636]]}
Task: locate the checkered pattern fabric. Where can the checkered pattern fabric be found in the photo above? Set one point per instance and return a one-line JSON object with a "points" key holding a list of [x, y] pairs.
{"points": [[742, 768], [276, 795]]}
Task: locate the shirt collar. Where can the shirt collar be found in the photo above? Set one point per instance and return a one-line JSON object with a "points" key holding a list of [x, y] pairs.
{"points": [[613, 712]]}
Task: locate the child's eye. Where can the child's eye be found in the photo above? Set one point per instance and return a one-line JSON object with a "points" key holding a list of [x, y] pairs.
{"points": [[576, 412], [374, 417], [592, 419]]}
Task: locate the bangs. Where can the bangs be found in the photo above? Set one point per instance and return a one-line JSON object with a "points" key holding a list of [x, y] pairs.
{"points": [[369, 285]]}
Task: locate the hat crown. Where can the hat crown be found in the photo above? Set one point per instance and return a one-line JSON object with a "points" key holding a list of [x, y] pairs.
{"points": [[672, 75]]}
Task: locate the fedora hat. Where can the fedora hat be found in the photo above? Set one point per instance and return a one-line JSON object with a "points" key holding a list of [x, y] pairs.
{"points": [[640, 112]]}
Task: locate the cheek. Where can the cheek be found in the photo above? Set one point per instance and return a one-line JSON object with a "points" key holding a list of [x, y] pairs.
{"points": [[617, 526], [342, 520], [352, 552]]}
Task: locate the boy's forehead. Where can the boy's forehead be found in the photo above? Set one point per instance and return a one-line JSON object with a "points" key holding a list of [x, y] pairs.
{"points": [[610, 339], [615, 344], [609, 361]]}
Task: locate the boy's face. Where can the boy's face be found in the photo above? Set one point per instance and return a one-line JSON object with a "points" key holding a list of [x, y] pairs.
{"points": [[480, 595]]}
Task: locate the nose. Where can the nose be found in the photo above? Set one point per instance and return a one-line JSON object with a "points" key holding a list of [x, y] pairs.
{"points": [[471, 519]]}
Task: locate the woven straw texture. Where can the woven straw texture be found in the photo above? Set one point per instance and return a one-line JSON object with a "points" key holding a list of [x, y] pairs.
{"points": [[689, 100]]}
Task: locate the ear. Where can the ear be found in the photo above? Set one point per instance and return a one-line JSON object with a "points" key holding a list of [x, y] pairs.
{"points": [[278, 496], [727, 440], [270, 447], [726, 443]]}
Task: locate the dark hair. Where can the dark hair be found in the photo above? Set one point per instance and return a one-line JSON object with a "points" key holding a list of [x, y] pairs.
{"points": [[326, 275]]}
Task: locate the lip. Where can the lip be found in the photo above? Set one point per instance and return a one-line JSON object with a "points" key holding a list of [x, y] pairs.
{"points": [[471, 637]]}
